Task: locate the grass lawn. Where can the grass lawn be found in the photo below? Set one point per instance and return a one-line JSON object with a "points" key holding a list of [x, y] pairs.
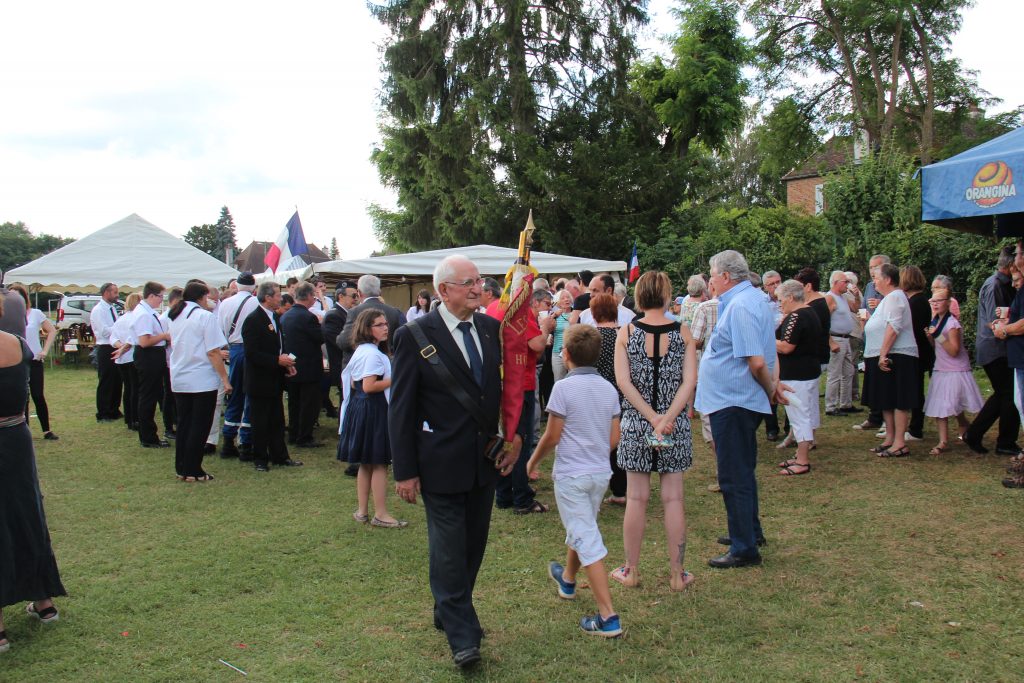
{"points": [[905, 569]]}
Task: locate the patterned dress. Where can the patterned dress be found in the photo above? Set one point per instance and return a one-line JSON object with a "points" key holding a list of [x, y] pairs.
{"points": [[657, 379]]}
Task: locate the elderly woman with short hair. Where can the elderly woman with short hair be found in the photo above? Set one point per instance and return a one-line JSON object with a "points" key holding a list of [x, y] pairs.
{"points": [[697, 289], [561, 308], [890, 361], [797, 343]]}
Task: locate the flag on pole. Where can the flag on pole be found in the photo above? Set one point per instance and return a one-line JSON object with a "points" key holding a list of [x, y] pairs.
{"points": [[290, 243], [634, 265]]}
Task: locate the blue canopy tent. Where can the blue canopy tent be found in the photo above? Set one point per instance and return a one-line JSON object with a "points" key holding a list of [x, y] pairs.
{"points": [[976, 190]]}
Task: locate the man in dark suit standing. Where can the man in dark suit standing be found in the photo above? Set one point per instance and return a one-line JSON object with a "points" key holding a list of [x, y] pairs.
{"points": [[303, 338], [438, 447], [266, 366], [334, 324], [369, 292]]}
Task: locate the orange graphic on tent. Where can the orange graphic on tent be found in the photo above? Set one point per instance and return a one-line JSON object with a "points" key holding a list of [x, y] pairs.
{"points": [[992, 184]]}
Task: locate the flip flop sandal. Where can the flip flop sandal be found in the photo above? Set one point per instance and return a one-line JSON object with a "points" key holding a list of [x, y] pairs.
{"points": [[625, 576], [685, 578], [900, 453], [939, 449], [788, 470], [362, 519], [878, 450], [787, 463]]}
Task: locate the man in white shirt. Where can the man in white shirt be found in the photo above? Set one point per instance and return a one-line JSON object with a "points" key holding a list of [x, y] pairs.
{"points": [[150, 361], [231, 313], [605, 284], [108, 390]]}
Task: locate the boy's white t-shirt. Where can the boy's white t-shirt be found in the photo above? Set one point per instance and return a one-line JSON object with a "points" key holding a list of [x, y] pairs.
{"points": [[588, 403]]}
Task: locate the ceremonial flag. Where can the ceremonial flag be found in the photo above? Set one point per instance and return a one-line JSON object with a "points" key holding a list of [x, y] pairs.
{"points": [[515, 302], [634, 265], [290, 243]]}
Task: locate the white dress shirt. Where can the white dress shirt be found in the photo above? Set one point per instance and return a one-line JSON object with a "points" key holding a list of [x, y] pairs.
{"points": [[146, 321], [625, 316], [453, 326], [226, 313], [101, 319], [194, 333], [121, 333]]}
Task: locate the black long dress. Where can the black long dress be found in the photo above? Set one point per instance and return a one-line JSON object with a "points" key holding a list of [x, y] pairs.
{"points": [[28, 569]]}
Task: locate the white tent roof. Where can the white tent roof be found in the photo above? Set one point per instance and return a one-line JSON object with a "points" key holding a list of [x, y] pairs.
{"points": [[489, 259], [129, 253]]}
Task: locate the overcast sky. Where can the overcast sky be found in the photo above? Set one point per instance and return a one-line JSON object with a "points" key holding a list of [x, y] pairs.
{"points": [[174, 110]]}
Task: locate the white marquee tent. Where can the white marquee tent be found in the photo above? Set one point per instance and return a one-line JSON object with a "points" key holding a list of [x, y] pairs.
{"points": [[128, 253]]}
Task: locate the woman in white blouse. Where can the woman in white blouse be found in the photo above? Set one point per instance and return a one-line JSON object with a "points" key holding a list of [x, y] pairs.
{"points": [[421, 308], [36, 321], [197, 372], [890, 361]]}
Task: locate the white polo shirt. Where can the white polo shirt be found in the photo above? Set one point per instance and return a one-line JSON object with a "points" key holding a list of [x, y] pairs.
{"points": [[194, 333]]}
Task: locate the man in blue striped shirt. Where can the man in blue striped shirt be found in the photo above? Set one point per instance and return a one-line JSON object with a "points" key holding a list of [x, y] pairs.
{"points": [[736, 386]]}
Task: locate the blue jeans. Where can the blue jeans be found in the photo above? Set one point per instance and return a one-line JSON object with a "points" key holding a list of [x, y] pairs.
{"points": [[735, 433], [236, 415], [514, 490]]}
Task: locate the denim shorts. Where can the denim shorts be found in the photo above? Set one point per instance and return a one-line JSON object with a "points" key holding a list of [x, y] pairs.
{"points": [[579, 500]]}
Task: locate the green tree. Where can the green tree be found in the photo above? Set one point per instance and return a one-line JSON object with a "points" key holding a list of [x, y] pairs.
{"points": [[783, 140], [206, 238], [470, 91], [18, 245], [334, 253], [225, 231], [699, 94]]}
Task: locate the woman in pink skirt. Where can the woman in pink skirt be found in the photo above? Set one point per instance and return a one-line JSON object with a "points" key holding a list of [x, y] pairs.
{"points": [[952, 389]]}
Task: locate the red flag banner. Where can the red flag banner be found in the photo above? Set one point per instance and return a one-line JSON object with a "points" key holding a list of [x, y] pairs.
{"points": [[514, 356]]}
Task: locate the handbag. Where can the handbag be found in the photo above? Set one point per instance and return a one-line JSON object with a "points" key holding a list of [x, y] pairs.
{"points": [[495, 443]]}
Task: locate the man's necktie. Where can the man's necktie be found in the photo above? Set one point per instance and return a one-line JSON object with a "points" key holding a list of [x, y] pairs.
{"points": [[113, 315], [476, 364]]}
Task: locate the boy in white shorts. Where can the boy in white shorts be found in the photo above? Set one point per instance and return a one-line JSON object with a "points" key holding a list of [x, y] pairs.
{"points": [[584, 432]]}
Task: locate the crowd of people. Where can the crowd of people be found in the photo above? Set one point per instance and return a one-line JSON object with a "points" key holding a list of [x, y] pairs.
{"points": [[621, 379]]}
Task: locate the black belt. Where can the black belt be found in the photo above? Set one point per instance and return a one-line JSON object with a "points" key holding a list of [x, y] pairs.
{"points": [[841, 336]]}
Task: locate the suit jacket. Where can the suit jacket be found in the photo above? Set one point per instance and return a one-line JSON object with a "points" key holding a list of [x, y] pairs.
{"points": [[334, 323], [263, 376], [394, 317], [303, 337], [432, 436]]}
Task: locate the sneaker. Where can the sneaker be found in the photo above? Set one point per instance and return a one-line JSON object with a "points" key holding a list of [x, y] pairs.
{"points": [[880, 434], [907, 436], [566, 590], [866, 425], [606, 628]]}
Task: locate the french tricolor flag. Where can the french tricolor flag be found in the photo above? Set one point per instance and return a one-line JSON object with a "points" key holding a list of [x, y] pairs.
{"points": [[290, 243], [634, 265]]}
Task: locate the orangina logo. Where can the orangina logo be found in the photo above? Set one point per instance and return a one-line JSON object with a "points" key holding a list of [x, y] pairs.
{"points": [[992, 184]]}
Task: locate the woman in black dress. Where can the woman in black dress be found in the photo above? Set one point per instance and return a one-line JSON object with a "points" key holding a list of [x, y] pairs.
{"points": [[606, 317], [914, 285], [822, 306], [28, 569]]}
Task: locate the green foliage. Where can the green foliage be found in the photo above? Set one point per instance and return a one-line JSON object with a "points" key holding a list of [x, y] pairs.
{"points": [[18, 245], [206, 238], [700, 94], [783, 140], [333, 252]]}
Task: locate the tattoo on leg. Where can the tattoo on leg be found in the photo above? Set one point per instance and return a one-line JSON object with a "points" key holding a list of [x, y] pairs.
{"points": [[682, 554]]}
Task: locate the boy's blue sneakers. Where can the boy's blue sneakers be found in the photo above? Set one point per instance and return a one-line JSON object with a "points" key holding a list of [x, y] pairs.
{"points": [[566, 590], [606, 628]]}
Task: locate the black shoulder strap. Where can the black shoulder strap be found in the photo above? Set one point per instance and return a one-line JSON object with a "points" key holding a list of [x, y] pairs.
{"points": [[234, 320], [429, 353]]}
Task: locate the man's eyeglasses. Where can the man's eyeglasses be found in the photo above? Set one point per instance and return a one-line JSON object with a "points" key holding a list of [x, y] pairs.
{"points": [[479, 282]]}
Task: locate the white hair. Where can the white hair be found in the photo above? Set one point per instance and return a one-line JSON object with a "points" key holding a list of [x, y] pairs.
{"points": [[836, 274], [369, 285], [731, 263], [540, 283], [620, 290], [790, 289], [770, 273], [696, 285], [852, 277], [563, 294], [445, 270]]}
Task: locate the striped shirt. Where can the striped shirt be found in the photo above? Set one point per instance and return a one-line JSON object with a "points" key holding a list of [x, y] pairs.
{"points": [[745, 329], [586, 436]]}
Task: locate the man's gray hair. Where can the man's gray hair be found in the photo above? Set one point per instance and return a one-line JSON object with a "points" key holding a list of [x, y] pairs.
{"points": [[945, 281], [445, 270], [541, 295], [836, 274], [731, 263], [1005, 258], [770, 273], [306, 291], [754, 278], [696, 285], [266, 289], [852, 277], [620, 291], [491, 285], [369, 285], [881, 257], [790, 289], [541, 283]]}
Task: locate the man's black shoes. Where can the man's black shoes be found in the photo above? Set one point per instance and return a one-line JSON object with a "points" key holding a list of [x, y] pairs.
{"points": [[1003, 450], [772, 435], [725, 540], [467, 658], [162, 443], [352, 471], [228, 449], [730, 561]]}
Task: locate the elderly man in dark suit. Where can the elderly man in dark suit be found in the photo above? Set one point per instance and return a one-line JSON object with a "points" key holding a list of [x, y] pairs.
{"points": [[438, 447], [266, 366], [303, 338], [369, 292]]}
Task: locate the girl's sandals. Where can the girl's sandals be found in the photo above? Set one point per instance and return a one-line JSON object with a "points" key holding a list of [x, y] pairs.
{"points": [[898, 453], [680, 582], [44, 615], [939, 449], [396, 524], [788, 471], [193, 480], [362, 519], [878, 450], [627, 576]]}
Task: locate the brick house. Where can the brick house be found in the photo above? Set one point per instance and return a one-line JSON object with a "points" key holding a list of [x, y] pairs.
{"points": [[805, 184]]}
